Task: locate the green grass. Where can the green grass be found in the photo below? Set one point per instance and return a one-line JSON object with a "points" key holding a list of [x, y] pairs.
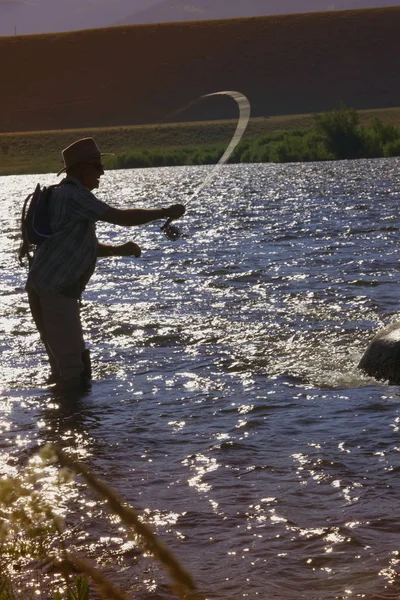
{"points": [[78, 590], [40, 151], [166, 144]]}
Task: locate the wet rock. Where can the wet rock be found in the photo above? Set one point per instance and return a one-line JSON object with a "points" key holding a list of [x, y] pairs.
{"points": [[382, 357]]}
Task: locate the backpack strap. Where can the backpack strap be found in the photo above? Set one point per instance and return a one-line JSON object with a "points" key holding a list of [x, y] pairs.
{"points": [[24, 250]]}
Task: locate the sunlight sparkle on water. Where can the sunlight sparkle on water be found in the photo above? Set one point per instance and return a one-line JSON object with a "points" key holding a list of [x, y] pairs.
{"points": [[203, 466]]}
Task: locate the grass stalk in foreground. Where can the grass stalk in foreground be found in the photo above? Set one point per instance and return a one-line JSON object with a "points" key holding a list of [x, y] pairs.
{"points": [[184, 584], [31, 530]]}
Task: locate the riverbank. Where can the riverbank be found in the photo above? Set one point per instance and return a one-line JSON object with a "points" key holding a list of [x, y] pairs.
{"points": [[179, 143]]}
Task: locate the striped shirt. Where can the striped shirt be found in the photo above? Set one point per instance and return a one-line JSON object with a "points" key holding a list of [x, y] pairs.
{"points": [[65, 261]]}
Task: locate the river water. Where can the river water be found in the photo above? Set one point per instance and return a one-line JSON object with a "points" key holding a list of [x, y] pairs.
{"points": [[227, 406]]}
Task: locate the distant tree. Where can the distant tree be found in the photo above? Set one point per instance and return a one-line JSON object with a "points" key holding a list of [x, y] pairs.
{"points": [[379, 137], [340, 133], [392, 148]]}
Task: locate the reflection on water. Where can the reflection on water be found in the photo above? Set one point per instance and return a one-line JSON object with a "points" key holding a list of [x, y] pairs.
{"points": [[227, 405]]}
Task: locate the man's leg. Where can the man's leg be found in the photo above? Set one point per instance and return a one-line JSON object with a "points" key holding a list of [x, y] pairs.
{"points": [[63, 333], [34, 303]]}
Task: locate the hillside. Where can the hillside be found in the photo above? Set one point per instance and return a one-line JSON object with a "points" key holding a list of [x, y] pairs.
{"points": [[171, 10], [141, 74]]}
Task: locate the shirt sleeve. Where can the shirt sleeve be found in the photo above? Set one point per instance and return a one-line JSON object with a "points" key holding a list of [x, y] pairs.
{"points": [[86, 206]]}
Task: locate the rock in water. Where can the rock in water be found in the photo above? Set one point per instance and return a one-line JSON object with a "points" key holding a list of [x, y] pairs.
{"points": [[382, 357]]}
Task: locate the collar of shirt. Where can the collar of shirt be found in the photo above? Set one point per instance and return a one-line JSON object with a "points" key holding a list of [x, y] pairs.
{"points": [[73, 180]]}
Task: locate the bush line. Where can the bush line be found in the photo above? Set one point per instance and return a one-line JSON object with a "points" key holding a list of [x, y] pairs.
{"points": [[334, 135]]}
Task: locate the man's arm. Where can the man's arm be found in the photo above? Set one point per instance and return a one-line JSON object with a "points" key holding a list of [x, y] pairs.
{"points": [[129, 217], [127, 249]]}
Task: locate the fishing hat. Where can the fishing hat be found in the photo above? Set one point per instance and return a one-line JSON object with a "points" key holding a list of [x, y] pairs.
{"points": [[80, 151]]}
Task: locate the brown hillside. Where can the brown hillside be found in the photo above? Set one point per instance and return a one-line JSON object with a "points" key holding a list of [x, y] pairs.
{"points": [[141, 74]]}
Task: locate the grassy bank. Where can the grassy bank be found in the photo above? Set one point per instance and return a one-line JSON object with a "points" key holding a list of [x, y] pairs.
{"points": [[39, 152], [273, 139]]}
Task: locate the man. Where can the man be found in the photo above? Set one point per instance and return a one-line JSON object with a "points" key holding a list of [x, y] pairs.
{"points": [[63, 264]]}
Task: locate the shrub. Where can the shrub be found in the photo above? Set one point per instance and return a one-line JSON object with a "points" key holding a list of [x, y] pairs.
{"points": [[392, 148], [340, 132]]}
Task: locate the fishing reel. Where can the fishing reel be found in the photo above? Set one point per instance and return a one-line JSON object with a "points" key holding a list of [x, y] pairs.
{"points": [[171, 232]]}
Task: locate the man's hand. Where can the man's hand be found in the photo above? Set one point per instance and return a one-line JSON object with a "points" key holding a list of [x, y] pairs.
{"points": [[129, 249], [175, 211]]}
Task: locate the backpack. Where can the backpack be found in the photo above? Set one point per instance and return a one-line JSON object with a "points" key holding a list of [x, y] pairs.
{"points": [[35, 221]]}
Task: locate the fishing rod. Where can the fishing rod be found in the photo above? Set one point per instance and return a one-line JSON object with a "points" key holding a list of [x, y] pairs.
{"points": [[172, 232]]}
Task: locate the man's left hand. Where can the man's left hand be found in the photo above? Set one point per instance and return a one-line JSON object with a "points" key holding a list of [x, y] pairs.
{"points": [[129, 249]]}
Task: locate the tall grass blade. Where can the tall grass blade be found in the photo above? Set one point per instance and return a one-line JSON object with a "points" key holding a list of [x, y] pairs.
{"points": [[185, 583]]}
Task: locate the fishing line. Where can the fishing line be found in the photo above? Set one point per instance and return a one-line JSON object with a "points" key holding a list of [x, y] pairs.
{"points": [[172, 232]]}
